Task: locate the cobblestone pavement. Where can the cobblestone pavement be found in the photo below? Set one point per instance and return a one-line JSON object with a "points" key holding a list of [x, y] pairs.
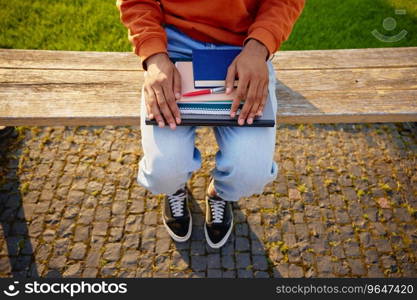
{"points": [[343, 205]]}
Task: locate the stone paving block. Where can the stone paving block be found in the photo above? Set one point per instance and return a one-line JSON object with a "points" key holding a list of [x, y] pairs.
{"points": [[61, 246], [116, 234], [109, 270], [89, 273], [257, 247], [57, 262], [340, 268], [357, 267], [73, 270], [241, 229], [137, 205], [352, 248], [383, 245], [146, 262], [243, 260], [213, 261], [86, 216], [198, 248], [81, 233], [214, 273], [324, 264], [261, 274], [256, 232], [295, 271], [133, 223], [149, 232], [198, 233], [273, 236], [119, 207], [148, 245], [281, 270], [78, 251], [162, 245], [244, 273], [112, 251], [100, 228], [198, 263], [228, 262], [131, 240], [242, 244], [254, 219], [162, 263], [93, 258], [229, 274], [259, 262], [270, 219], [180, 260], [183, 246]]}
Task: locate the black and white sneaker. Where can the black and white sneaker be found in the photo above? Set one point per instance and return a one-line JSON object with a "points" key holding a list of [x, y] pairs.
{"points": [[177, 216], [219, 221]]}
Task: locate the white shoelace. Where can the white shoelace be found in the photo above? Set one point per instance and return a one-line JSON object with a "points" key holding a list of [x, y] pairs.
{"points": [[217, 210], [176, 202]]}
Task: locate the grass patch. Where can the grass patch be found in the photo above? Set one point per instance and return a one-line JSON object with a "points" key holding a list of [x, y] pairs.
{"points": [[62, 25], [93, 25], [329, 24]]}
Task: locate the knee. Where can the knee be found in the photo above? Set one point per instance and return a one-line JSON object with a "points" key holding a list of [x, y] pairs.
{"points": [[255, 177], [252, 174], [160, 176]]}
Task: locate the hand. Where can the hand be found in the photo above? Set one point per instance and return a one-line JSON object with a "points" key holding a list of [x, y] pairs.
{"points": [[252, 70], [162, 88]]}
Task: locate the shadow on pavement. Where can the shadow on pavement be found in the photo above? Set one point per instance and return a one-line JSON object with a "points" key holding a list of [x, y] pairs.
{"points": [[16, 250]]}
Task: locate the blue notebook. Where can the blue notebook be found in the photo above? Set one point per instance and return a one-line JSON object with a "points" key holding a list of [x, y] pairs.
{"points": [[210, 66]]}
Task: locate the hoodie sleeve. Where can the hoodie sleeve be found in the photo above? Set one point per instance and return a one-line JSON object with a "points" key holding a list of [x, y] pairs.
{"points": [[144, 19], [274, 22]]}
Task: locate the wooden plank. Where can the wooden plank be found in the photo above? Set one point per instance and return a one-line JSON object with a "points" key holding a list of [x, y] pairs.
{"points": [[346, 58], [104, 88], [298, 80], [68, 60], [340, 107], [48, 97], [59, 107], [283, 60]]}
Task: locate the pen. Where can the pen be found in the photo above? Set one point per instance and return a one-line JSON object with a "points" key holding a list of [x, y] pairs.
{"points": [[205, 92]]}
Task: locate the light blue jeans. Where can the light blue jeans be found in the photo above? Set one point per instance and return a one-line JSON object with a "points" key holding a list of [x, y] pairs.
{"points": [[245, 160]]}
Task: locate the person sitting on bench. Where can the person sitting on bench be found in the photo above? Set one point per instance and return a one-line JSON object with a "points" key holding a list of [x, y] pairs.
{"points": [[160, 30]]}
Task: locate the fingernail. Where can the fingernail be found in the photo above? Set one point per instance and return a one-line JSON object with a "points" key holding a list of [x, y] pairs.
{"points": [[250, 120], [241, 122], [161, 125], [233, 114], [172, 125], [228, 90], [178, 95], [150, 116], [178, 120]]}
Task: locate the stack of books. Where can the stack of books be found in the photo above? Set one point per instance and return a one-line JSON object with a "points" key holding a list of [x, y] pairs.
{"points": [[205, 75]]}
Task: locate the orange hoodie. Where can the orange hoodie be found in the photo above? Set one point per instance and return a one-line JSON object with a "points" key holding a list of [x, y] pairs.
{"points": [[216, 21]]}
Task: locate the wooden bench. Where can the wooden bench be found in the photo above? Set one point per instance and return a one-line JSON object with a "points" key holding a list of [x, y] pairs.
{"points": [[99, 88]]}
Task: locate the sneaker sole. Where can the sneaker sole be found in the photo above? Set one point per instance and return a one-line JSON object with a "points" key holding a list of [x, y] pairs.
{"points": [[223, 240], [180, 239]]}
